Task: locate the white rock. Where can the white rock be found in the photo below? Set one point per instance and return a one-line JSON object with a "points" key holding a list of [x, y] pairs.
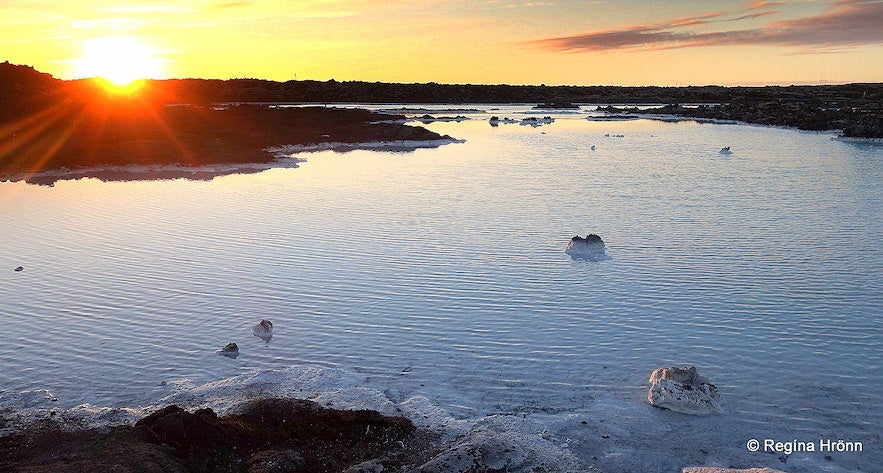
{"points": [[263, 330], [591, 247], [684, 390]]}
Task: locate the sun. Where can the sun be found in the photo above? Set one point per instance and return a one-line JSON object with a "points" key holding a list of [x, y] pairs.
{"points": [[120, 61]]}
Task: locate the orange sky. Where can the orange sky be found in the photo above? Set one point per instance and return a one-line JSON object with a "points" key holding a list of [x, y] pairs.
{"points": [[664, 42]]}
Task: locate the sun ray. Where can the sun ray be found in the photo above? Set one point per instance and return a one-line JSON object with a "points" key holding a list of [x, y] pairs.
{"points": [[36, 145]]}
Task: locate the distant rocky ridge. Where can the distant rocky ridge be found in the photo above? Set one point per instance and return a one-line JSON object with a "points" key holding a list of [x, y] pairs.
{"points": [[857, 118], [855, 108]]}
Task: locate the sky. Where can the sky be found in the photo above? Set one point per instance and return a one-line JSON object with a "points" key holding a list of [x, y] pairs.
{"points": [[563, 42]]}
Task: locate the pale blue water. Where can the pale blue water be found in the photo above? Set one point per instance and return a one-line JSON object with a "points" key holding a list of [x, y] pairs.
{"points": [[442, 272]]}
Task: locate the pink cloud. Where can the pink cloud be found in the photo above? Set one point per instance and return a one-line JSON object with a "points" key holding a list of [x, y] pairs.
{"points": [[845, 23], [761, 4]]}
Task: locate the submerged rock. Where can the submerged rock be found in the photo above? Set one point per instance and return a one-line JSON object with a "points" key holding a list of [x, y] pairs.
{"points": [[263, 330], [484, 452], [591, 247], [684, 390]]}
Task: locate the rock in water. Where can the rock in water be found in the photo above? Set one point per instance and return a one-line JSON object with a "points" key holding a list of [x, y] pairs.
{"points": [[230, 350], [684, 390], [264, 330], [19, 269], [591, 247]]}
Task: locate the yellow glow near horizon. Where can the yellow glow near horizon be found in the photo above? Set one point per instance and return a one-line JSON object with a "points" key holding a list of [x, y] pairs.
{"points": [[568, 42], [120, 61]]}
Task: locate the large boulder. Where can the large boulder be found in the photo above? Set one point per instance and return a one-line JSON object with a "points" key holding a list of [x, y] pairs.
{"points": [[186, 433], [684, 390]]}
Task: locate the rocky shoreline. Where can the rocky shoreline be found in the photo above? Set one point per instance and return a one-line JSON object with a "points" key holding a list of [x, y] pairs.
{"points": [[65, 127], [278, 434], [125, 134], [263, 436]]}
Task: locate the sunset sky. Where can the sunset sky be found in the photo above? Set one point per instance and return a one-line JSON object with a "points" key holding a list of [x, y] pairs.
{"points": [[661, 42]]}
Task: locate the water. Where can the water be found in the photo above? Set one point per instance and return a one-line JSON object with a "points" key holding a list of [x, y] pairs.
{"points": [[441, 273]]}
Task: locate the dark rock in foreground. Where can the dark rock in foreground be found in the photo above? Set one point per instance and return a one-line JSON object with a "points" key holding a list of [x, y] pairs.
{"points": [[270, 435]]}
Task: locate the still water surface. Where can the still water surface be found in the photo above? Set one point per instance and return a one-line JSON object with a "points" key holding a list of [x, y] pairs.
{"points": [[442, 271]]}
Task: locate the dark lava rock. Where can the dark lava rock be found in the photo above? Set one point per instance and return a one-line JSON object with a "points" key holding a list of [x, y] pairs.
{"points": [[275, 461], [180, 429], [328, 439], [265, 436], [108, 450]]}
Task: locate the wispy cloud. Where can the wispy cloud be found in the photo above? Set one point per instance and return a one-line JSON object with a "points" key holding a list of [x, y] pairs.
{"points": [[762, 4], [759, 14], [844, 23]]}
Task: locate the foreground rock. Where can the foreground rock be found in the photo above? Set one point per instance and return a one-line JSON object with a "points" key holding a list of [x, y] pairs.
{"points": [[270, 435], [684, 390]]}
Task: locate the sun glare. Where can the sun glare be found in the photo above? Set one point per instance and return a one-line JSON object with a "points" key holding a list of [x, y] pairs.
{"points": [[119, 61]]}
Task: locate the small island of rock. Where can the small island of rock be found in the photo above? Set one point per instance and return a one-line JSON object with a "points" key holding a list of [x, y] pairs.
{"points": [[591, 247]]}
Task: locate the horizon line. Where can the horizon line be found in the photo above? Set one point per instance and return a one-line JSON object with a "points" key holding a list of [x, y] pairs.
{"points": [[814, 83]]}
